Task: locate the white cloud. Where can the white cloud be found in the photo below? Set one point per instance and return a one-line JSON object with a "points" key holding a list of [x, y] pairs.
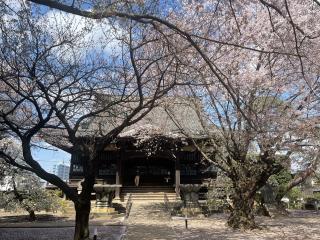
{"points": [[94, 35]]}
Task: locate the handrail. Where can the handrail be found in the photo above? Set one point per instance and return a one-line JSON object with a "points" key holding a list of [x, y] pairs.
{"points": [[129, 205], [166, 202]]}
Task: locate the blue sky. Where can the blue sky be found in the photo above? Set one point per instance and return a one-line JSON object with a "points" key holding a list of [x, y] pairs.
{"points": [[48, 158]]}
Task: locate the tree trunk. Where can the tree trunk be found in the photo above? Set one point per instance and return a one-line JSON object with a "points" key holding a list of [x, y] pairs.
{"points": [[32, 215], [241, 216], [280, 206], [82, 220]]}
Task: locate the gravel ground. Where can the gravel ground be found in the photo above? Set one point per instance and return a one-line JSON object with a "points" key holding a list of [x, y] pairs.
{"points": [[300, 225], [64, 233], [150, 222]]}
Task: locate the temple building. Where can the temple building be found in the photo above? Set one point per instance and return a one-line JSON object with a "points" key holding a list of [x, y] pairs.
{"points": [[153, 153]]}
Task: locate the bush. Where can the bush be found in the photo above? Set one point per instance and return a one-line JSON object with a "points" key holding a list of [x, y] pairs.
{"points": [[295, 196]]}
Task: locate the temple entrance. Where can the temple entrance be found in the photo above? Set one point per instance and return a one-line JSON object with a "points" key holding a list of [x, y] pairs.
{"points": [[151, 171]]}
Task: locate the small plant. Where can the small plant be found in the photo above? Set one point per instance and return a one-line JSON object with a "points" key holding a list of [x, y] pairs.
{"points": [[295, 196], [317, 195]]}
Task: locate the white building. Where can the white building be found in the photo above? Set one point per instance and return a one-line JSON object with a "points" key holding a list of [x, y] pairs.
{"points": [[62, 171]]}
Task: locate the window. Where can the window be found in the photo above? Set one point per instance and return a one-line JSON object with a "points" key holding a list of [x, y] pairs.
{"points": [[188, 170], [77, 168], [107, 170]]}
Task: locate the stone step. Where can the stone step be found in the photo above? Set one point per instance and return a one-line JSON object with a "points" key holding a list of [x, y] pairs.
{"points": [[145, 197], [151, 200], [148, 194], [157, 197], [149, 188], [146, 190], [152, 186]]}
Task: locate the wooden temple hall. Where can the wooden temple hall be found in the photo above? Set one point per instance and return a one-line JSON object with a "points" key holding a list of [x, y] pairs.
{"points": [[122, 166], [151, 155]]}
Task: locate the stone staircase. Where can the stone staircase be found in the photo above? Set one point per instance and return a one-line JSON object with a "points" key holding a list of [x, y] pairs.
{"points": [[148, 194]]}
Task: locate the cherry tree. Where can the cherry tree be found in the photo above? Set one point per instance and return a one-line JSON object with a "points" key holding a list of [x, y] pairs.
{"points": [[256, 94], [54, 83], [246, 53], [271, 28]]}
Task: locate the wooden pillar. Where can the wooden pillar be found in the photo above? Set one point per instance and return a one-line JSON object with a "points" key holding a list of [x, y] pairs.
{"points": [[118, 175], [177, 176]]}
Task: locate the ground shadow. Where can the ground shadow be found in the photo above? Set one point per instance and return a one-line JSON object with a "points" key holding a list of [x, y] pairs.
{"points": [[25, 218]]}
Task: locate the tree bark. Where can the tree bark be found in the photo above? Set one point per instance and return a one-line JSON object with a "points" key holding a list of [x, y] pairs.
{"points": [[32, 215], [241, 216], [82, 220], [281, 208]]}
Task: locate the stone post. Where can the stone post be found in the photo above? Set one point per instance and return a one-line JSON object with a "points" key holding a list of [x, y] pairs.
{"points": [[177, 177], [118, 176]]}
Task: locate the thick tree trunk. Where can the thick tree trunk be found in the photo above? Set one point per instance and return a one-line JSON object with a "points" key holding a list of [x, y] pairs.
{"points": [[82, 220], [83, 204], [32, 215], [280, 206], [261, 208], [241, 216]]}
